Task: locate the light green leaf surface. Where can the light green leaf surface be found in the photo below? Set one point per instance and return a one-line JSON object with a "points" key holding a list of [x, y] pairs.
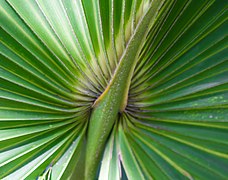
{"points": [[110, 89]]}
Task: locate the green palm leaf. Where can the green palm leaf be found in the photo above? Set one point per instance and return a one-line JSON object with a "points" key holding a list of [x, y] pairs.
{"points": [[113, 89]]}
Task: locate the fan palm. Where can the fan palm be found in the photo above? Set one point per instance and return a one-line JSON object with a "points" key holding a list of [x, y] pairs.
{"points": [[113, 89]]}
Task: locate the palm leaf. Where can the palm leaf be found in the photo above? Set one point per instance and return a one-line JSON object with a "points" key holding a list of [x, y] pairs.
{"points": [[113, 89]]}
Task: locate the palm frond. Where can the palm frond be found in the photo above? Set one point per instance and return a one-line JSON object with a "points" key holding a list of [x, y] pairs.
{"points": [[58, 57]]}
